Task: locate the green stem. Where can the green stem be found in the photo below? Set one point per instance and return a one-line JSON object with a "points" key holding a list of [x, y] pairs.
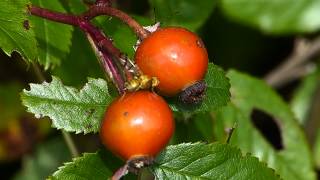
{"points": [[70, 143], [66, 136]]}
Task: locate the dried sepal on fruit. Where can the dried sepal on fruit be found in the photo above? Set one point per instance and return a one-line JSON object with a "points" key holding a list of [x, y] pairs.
{"points": [[176, 56]]}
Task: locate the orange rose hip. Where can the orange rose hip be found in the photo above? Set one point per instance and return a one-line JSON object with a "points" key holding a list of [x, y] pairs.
{"points": [[176, 56], [137, 124]]}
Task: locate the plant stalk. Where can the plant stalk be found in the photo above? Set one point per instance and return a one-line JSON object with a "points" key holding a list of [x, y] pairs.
{"points": [[66, 136], [70, 143], [95, 11], [54, 16], [102, 45]]}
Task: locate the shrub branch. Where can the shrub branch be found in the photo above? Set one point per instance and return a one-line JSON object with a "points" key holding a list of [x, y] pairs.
{"points": [[102, 45]]}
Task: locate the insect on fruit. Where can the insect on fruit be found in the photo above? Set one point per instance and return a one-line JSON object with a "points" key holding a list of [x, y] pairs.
{"points": [[141, 82], [176, 56], [137, 124]]}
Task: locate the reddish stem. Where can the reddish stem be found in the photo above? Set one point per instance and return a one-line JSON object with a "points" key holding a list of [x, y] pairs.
{"points": [[121, 172], [103, 46], [95, 11], [54, 16], [99, 38], [106, 50]]}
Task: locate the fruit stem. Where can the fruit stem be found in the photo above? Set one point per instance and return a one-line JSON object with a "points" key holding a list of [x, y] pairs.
{"points": [[105, 52], [121, 172], [103, 46], [101, 39], [95, 11], [101, 7]]}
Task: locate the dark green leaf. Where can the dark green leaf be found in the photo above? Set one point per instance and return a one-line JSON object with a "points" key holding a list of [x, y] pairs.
{"points": [[76, 7], [186, 13], [89, 166], [69, 109], [217, 94], [14, 36], [80, 63], [123, 37], [278, 17], [54, 39], [203, 123], [198, 127], [293, 161], [209, 161]]}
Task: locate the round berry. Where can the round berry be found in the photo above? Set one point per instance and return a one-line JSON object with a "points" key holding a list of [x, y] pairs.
{"points": [[137, 124], [176, 56]]}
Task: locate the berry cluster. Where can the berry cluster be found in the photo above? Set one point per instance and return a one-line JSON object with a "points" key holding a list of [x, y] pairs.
{"points": [[171, 61], [140, 124]]}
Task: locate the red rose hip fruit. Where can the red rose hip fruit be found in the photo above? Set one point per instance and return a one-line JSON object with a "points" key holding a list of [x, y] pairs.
{"points": [[137, 124], [176, 56]]}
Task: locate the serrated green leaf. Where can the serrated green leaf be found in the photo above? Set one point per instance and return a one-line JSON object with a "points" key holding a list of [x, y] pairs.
{"points": [[54, 39], [69, 109], [209, 161], [186, 13], [303, 96], [45, 161], [217, 93], [14, 36], [277, 17], [294, 160], [89, 166]]}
